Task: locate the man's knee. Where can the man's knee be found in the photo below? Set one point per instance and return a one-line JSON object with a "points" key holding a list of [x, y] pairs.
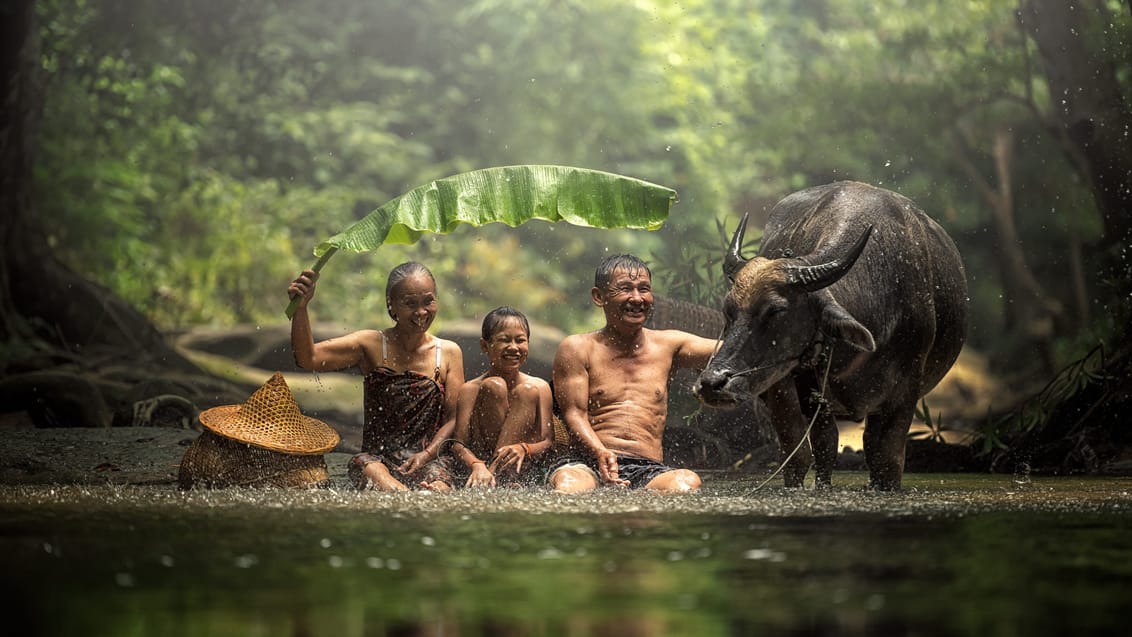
{"points": [[675, 481], [573, 479]]}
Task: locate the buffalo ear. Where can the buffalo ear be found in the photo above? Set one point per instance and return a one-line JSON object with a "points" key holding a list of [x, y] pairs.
{"points": [[838, 323]]}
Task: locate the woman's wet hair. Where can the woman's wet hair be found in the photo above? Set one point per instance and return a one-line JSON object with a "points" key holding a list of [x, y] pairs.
{"points": [[627, 262], [404, 271], [495, 319]]}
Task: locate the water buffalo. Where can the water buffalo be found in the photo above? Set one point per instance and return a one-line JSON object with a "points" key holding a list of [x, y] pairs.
{"points": [[857, 300]]}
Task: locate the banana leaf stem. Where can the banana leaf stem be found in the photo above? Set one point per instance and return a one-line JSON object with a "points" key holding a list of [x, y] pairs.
{"points": [[293, 306]]}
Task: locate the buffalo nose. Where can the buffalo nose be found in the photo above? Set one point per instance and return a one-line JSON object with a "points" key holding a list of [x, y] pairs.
{"points": [[712, 380]]}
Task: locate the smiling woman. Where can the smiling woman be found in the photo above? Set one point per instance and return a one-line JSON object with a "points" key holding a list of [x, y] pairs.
{"points": [[411, 381]]}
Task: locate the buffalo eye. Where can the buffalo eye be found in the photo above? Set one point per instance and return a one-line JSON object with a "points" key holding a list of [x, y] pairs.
{"points": [[772, 311]]}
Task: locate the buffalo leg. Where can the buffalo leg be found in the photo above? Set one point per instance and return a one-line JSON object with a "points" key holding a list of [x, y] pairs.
{"points": [[886, 433], [823, 434], [786, 416], [823, 439]]}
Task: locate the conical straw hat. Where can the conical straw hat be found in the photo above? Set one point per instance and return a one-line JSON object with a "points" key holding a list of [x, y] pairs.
{"points": [[270, 419]]}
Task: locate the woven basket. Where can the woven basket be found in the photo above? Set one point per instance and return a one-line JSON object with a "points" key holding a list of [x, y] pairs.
{"points": [[270, 419], [265, 442], [213, 461], [561, 435]]}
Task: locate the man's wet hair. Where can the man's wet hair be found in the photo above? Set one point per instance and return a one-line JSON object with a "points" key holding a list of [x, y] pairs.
{"points": [[630, 263], [494, 320], [404, 271]]}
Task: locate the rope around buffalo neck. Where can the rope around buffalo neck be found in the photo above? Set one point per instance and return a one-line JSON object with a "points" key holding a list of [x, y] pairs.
{"points": [[806, 434], [807, 359]]}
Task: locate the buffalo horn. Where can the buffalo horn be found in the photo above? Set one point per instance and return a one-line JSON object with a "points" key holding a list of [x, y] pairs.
{"points": [[734, 261], [816, 277]]}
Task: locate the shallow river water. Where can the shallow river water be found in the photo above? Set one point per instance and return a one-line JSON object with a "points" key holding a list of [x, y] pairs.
{"points": [[950, 555]]}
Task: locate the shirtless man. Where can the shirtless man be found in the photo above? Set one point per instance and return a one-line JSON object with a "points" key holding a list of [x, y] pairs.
{"points": [[612, 388]]}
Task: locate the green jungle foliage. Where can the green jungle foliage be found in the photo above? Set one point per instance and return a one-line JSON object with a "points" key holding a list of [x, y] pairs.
{"points": [[193, 153]]}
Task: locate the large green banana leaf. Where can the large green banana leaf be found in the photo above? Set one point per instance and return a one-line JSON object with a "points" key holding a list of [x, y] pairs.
{"points": [[507, 194]]}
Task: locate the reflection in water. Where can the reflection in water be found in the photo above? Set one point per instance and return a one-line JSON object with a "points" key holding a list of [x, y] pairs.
{"points": [[951, 555]]}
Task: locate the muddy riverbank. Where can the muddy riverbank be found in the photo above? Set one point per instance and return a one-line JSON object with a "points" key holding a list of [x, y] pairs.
{"points": [[112, 455]]}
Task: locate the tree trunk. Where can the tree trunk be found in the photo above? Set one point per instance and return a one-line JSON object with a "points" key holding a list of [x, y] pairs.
{"points": [[1026, 306], [51, 318], [19, 52], [1087, 110]]}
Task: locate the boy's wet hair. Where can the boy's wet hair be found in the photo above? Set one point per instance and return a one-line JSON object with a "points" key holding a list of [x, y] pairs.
{"points": [[404, 271], [495, 319], [627, 262]]}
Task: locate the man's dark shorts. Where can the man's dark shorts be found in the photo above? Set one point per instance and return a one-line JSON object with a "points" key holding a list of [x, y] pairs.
{"points": [[636, 470]]}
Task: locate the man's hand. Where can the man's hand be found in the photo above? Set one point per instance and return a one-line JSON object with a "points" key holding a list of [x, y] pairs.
{"points": [[607, 468]]}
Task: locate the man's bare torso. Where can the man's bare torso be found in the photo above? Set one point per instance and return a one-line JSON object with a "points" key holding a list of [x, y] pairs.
{"points": [[628, 392]]}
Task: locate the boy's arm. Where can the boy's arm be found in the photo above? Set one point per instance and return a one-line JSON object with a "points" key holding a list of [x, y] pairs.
{"points": [[546, 424], [463, 432], [479, 475]]}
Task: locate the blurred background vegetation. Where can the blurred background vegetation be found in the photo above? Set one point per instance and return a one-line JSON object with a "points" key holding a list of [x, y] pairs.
{"points": [[191, 154]]}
